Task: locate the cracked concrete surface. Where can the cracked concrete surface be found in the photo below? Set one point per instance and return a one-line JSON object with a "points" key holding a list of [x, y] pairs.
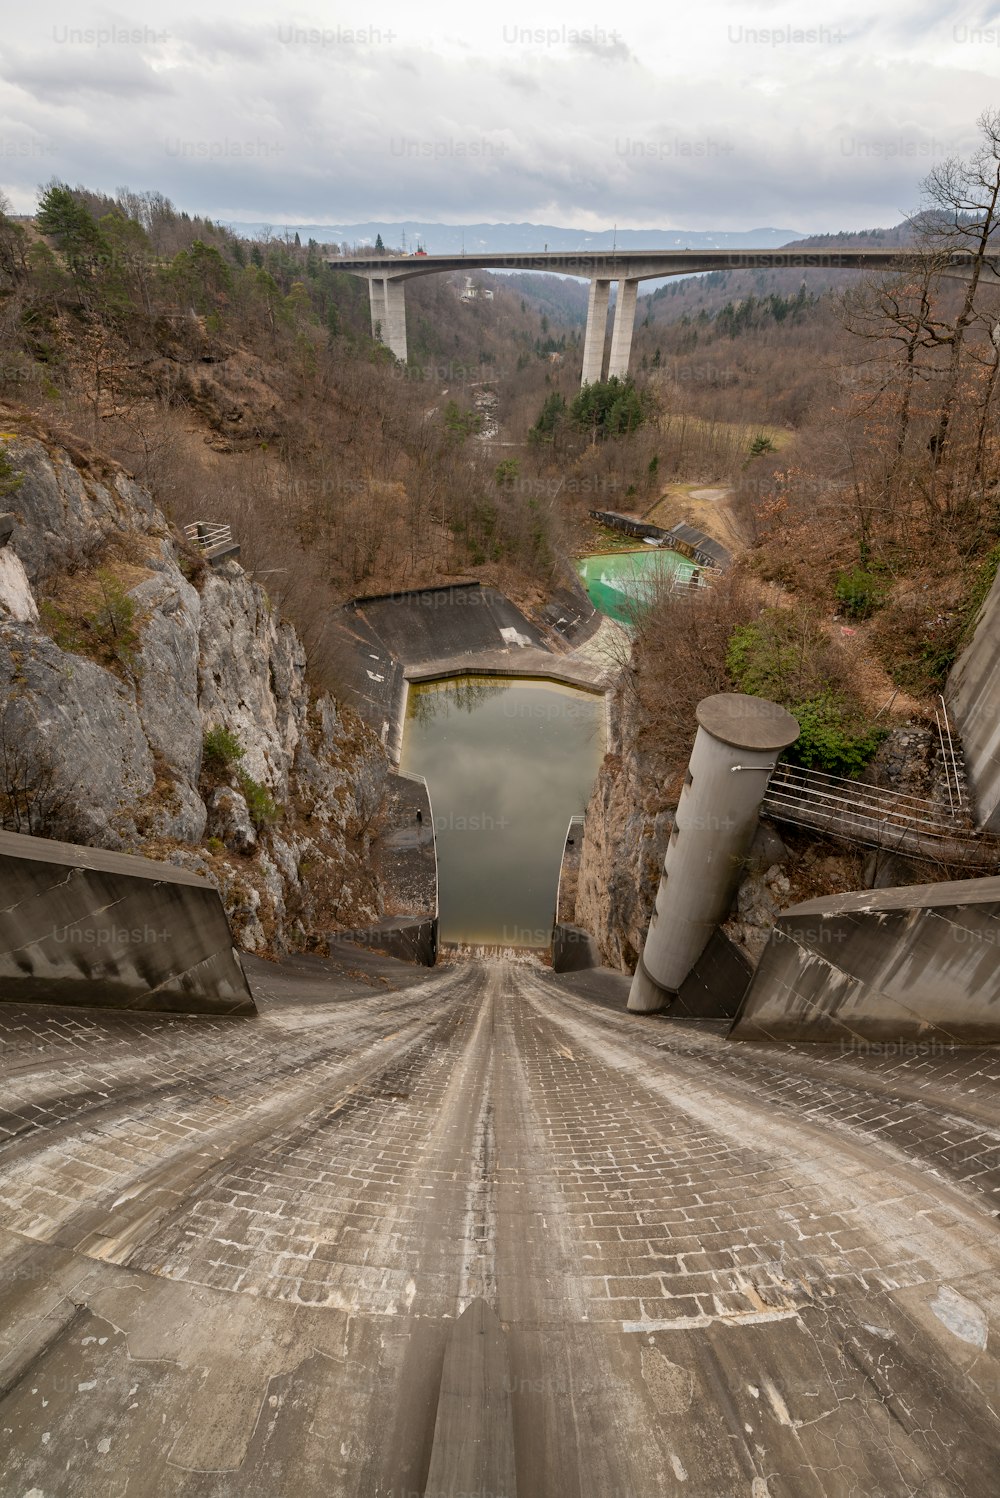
{"points": [[232, 1250]]}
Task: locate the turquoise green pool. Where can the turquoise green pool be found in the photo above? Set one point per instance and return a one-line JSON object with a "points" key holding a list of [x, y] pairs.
{"points": [[619, 582]]}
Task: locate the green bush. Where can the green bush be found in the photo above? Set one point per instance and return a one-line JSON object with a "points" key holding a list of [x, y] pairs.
{"points": [[765, 658], [113, 621], [610, 408], [549, 417], [860, 592], [780, 656], [506, 471], [828, 739], [260, 805], [220, 750], [461, 424], [107, 633]]}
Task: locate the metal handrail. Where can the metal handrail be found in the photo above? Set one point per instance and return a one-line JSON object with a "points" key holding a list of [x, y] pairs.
{"points": [[834, 805], [949, 756], [827, 777], [206, 534]]}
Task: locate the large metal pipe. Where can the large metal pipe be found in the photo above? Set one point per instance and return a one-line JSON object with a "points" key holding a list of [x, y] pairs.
{"points": [[735, 750]]}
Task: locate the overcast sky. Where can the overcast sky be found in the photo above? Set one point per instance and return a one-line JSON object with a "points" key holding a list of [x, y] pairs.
{"points": [[687, 113]]}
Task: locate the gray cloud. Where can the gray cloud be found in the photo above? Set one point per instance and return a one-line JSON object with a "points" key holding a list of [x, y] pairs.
{"points": [[60, 78], [230, 120]]}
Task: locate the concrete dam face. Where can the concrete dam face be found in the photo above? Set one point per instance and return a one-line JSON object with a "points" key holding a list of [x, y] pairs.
{"points": [[479, 1225]]}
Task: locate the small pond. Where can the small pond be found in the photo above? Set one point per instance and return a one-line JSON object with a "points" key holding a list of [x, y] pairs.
{"points": [[618, 582], [507, 761]]}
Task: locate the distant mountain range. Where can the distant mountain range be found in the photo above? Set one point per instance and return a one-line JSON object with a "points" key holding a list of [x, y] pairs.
{"points": [[488, 239]]}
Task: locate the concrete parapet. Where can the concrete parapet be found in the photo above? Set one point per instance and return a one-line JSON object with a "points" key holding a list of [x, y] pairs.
{"points": [[573, 949], [84, 926], [973, 693], [919, 963], [715, 986]]}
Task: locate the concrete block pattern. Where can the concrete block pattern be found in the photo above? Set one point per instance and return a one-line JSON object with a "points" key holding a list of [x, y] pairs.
{"points": [[917, 963], [84, 926]]}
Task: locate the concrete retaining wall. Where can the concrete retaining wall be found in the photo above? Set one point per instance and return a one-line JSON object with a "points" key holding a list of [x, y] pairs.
{"points": [[715, 986], [973, 694], [83, 926], [913, 964], [573, 949], [410, 938]]}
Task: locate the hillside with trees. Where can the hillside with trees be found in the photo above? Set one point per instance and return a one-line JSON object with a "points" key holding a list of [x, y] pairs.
{"points": [[240, 382], [855, 428]]}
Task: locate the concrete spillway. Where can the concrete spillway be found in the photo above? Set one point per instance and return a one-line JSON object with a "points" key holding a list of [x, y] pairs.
{"points": [[234, 1253]]}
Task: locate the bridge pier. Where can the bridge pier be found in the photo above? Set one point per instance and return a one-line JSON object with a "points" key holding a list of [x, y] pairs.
{"points": [[621, 335], [738, 741], [597, 324], [597, 327], [388, 307]]}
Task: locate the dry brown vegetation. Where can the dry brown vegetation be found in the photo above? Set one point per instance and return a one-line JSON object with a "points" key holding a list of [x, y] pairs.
{"points": [[241, 383]]}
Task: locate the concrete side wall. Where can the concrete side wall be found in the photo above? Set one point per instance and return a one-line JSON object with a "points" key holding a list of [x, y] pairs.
{"points": [[973, 695], [83, 926], [715, 986], [573, 949], [411, 939], [888, 965]]}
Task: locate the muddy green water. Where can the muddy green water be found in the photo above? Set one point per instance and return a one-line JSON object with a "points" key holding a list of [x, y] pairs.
{"points": [[507, 762]]}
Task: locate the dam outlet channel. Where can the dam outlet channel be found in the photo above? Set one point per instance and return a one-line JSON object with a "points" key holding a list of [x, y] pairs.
{"points": [[508, 761]]}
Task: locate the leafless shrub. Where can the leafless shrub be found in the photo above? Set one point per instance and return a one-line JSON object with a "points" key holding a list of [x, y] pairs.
{"points": [[678, 657], [33, 798]]}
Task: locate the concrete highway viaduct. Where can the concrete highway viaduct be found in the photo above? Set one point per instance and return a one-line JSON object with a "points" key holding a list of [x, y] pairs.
{"points": [[387, 277]]}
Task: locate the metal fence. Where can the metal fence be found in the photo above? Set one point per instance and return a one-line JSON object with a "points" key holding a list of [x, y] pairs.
{"points": [[875, 816], [206, 535]]}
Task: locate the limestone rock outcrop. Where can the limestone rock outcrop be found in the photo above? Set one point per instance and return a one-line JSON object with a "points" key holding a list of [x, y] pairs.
{"points": [[626, 831], [103, 723]]}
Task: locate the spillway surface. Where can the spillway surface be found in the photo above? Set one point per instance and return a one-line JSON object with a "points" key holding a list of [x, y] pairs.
{"points": [[232, 1251]]}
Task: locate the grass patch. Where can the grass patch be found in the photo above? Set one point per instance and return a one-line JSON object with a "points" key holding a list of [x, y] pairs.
{"points": [[97, 618]]}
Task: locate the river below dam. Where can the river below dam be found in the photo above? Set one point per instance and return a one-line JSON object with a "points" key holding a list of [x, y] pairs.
{"points": [[507, 761]]}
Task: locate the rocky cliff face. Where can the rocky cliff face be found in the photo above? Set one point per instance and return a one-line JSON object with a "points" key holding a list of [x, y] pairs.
{"points": [[119, 652], [625, 840]]}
